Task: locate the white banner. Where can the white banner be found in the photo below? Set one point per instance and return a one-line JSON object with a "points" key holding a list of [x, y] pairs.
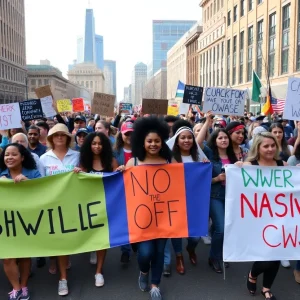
{"points": [[224, 101], [292, 103], [10, 116], [262, 214]]}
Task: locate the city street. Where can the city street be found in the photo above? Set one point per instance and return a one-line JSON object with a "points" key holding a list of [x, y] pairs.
{"points": [[199, 282]]}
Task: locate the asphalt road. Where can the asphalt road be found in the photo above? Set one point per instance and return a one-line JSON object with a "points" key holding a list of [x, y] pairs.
{"points": [[199, 282]]}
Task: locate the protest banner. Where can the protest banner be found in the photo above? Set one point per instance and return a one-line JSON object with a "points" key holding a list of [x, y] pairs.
{"points": [[262, 214], [31, 110], [292, 105], [103, 104], [77, 105], [47, 106], [10, 116], [192, 94], [155, 106], [64, 105], [224, 101], [173, 110], [125, 108], [79, 214], [43, 91]]}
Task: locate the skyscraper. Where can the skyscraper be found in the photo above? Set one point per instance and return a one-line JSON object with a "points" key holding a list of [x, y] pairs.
{"points": [[110, 74], [99, 52], [139, 78], [165, 35], [13, 54]]}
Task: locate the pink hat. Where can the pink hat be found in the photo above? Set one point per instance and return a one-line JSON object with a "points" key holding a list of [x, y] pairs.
{"points": [[127, 127]]}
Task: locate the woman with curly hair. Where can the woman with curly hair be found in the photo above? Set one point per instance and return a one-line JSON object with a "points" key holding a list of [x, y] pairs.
{"points": [[17, 163], [96, 157], [149, 148]]}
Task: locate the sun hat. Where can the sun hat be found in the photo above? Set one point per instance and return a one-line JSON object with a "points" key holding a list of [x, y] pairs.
{"points": [[59, 128]]}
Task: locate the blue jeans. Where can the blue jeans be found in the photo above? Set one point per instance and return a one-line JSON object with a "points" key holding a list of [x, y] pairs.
{"points": [[217, 215], [126, 249], [298, 265], [151, 255]]}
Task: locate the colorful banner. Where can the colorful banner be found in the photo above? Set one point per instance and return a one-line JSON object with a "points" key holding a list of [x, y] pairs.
{"points": [[75, 213], [262, 214]]}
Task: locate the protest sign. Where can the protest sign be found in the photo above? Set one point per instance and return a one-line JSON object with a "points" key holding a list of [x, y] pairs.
{"points": [[125, 108], [31, 110], [43, 91], [184, 108], [262, 214], [103, 104], [173, 110], [47, 106], [64, 105], [10, 116], [224, 101], [292, 104], [81, 216], [192, 94], [77, 105], [155, 106]]}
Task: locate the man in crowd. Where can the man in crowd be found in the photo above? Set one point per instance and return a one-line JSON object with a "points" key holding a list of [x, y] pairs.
{"points": [[44, 129], [34, 141]]}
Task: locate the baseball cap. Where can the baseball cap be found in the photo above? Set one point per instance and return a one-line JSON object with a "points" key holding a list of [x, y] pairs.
{"points": [[80, 118], [127, 127]]}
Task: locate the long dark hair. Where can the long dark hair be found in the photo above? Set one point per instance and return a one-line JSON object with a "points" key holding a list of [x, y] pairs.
{"points": [[212, 144], [144, 126], [284, 145], [87, 156], [297, 152], [28, 161]]}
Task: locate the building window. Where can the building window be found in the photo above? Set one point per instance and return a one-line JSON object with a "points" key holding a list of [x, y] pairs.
{"points": [[242, 40], [234, 61], [298, 39], [259, 48], [272, 38], [46, 81], [40, 83], [259, 2], [242, 8], [222, 62], [285, 38], [250, 56], [32, 81], [229, 18], [251, 4], [235, 10], [228, 63]]}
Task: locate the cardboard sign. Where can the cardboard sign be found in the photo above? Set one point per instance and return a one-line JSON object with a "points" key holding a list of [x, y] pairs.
{"points": [[224, 101], [125, 108], [173, 110], [155, 106], [10, 116], [43, 91], [292, 104], [47, 106], [103, 104], [31, 110], [192, 94], [64, 105], [77, 105]]}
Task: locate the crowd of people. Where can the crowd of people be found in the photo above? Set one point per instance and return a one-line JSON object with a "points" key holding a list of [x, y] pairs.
{"points": [[67, 143]]}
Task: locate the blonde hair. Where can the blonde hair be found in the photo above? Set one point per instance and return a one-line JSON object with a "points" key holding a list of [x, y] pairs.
{"points": [[257, 141]]}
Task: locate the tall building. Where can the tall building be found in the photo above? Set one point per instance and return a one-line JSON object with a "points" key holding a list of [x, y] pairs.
{"points": [[110, 74], [139, 79], [126, 95], [13, 74], [165, 35], [99, 51]]}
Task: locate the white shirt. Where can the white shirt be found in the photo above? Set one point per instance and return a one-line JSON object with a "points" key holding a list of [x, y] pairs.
{"points": [[53, 165], [186, 159], [39, 165]]}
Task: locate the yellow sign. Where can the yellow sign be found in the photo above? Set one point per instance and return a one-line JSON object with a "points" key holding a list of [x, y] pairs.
{"points": [[64, 105], [173, 111]]}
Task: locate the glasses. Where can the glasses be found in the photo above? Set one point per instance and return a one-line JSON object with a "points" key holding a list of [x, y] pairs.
{"points": [[59, 135], [127, 133]]}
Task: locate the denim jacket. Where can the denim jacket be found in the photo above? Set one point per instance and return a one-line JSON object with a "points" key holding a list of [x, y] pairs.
{"points": [[119, 156], [217, 189]]}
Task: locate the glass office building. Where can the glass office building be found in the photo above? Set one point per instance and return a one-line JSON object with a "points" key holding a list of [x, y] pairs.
{"points": [[110, 67], [99, 52]]}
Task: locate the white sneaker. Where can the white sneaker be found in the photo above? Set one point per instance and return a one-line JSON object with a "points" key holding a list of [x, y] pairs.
{"points": [[285, 263], [99, 280], [93, 258], [206, 239], [63, 288]]}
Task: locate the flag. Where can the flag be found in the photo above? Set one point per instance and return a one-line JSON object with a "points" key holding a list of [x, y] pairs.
{"points": [[267, 108], [256, 85], [277, 104], [180, 90]]}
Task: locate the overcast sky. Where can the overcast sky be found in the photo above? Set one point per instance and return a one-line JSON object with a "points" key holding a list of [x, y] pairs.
{"points": [[52, 27]]}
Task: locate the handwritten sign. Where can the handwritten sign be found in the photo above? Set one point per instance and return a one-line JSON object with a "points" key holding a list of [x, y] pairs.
{"points": [[192, 94], [262, 206], [125, 108], [10, 116], [47, 106], [173, 110], [31, 110], [103, 104], [64, 105], [77, 105], [224, 101], [43, 91], [155, 106], [292, 105]]}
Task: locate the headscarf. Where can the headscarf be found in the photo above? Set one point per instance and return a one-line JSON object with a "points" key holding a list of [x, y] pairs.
{"points": [[171, 142]]}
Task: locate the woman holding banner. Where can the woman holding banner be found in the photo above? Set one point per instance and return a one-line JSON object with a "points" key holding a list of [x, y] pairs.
{"points": [[60, 159], [149, 148], [264, 152], [17, 163]]}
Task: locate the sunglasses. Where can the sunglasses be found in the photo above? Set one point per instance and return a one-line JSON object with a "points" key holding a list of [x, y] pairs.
{"points": [[59, 135], [127, 133]]}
